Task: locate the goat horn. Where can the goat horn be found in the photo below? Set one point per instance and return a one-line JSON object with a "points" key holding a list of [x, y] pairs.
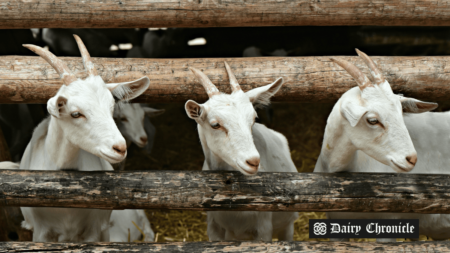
{"points": [[233, 81], [61, 67], [88, 64], [210, 88], [361, 79], [376, 73]]}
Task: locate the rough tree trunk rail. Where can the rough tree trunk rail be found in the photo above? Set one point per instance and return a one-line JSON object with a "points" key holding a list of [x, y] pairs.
{"points": [[196, 190], [225, 13], [308, 79], [229, 247]]}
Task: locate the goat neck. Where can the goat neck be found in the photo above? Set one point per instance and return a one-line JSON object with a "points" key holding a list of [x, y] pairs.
{"points": [[337, 152], [66, 154]]}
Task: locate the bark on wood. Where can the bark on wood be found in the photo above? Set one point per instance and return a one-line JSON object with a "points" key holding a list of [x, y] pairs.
{"points": [[196, 190], [230, 247], [212, 13], [307, 79]]}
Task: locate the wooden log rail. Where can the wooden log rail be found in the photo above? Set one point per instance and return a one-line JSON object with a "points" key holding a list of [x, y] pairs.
{"points": [[308, 79], [226, 13], [196, 190], [229, 247]]}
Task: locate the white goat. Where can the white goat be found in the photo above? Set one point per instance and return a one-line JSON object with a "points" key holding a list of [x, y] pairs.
{"points": [[365, 131], [123, 229], [427, 131], [80, 134], [231, 141], [130, 121]]}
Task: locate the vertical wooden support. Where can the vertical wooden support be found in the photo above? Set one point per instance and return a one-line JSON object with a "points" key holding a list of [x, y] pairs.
{"points": [[4, 149], [10, 216]]}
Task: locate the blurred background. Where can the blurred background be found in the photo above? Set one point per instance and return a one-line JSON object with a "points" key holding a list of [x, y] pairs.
{"points": [[173, 142]]}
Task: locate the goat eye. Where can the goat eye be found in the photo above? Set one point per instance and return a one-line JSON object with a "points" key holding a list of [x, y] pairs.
{"points": [[124, 119], [215, 125], [75, 114], [372, 121]]}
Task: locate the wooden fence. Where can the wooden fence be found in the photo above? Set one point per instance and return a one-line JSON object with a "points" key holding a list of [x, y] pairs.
{"points": [[212, 191], [224, 13], [308, 79], [228, 247], [231, 191]]}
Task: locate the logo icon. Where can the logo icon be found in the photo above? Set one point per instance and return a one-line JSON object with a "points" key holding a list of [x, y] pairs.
{"points": [[320, 228]]}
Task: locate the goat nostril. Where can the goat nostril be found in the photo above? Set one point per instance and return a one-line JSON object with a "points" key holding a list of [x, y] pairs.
{"points": [[412, 159], [254, 162], [121, 148], [144, 139]]}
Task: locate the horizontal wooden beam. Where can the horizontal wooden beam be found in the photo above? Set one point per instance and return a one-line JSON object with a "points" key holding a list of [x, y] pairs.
{"points": [[229, 247], [196, 190], [308, 79], [225, 13]]}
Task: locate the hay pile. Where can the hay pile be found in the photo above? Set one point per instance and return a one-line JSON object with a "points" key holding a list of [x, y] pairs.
{"points": [[184, 226], [178, 226]]}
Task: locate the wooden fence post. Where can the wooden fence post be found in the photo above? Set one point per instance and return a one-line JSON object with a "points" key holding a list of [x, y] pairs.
{"points": [[10, 216]]}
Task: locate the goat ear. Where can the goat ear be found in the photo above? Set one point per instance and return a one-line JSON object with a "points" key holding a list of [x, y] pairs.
{"points": [[194, 110], [353, 112], [261, 95], [151, 112], [55, 105], [412, 105], [128, 90]]}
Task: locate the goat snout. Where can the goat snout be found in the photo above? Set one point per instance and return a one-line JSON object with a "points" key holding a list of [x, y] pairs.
{"points": [[412, 159], [120, 148], [253, 163], [143, 140]]}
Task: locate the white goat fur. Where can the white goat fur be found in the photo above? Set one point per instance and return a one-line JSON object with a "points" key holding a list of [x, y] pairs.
{"points": [[345, 147], [123, 226], [62, 224], [352, 144], [251, 225], [130, 121], [228, 148], [9, 166], [87, 143]]}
